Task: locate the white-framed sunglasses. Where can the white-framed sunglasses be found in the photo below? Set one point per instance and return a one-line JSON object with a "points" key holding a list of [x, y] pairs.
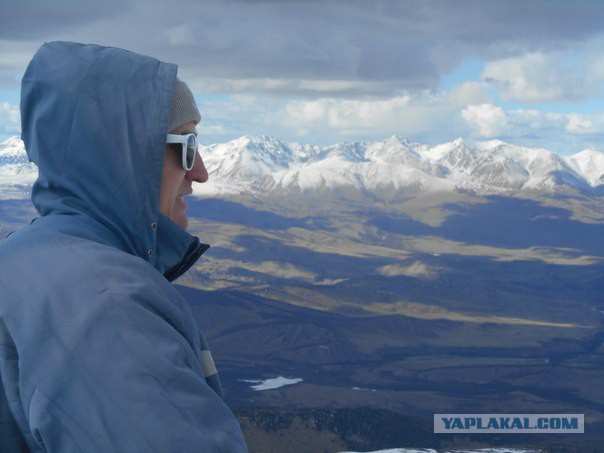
{"points": [[189, 146]]}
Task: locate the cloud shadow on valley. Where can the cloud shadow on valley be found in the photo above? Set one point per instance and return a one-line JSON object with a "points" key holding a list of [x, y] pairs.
{"points": [[237, 213], [503, 222]]}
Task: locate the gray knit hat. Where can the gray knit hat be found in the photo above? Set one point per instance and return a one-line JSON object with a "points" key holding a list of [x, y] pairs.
{"points": [[184, 109]]}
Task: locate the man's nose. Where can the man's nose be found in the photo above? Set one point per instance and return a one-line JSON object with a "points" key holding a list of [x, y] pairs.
{"points": [[199, 172]]}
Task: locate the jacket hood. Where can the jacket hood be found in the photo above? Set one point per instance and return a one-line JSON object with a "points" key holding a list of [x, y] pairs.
{"points": [[94, 120]]}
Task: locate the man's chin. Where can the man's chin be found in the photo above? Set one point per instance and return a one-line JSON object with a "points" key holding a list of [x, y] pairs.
{"points": [[182, 222], [179, 215]]}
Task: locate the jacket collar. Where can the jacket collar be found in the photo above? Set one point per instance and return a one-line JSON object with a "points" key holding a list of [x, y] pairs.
{"points": [[177, 250]]}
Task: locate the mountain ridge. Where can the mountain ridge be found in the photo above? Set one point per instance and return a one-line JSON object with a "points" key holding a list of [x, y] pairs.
{"points": [[262, 164]]}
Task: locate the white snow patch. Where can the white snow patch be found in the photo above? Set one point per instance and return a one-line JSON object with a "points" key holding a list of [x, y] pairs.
{"points": [[272, 383], [362, 389]]}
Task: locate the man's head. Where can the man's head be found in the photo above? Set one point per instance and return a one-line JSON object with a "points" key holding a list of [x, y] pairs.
{"points": [[177, 181]]}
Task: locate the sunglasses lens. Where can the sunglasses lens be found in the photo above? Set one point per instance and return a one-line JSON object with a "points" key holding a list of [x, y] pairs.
{"points": [[191, 151]]}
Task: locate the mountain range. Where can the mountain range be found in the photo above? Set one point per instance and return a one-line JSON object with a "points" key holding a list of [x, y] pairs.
{"points": [[380, 168], [264, 163]]}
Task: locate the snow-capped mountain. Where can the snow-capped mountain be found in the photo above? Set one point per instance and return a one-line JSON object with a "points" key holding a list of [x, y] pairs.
{"points": [[12, 152], [262, 164], [236, 164], [589, 163], [17, 174]]}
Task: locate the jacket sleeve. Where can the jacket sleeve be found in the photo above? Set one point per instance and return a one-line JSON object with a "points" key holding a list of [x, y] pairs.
{"points": [[123, 373]]}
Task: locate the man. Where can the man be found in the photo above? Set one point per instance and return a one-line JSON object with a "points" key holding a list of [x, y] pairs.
{"points": [[98, 352]]}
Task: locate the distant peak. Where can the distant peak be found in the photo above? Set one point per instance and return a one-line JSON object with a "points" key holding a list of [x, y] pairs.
{"points": [[399, 139], [257, 139], [12, 146], [12, 141], [590, 151]]}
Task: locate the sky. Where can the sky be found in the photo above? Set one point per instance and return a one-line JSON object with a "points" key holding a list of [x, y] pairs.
{"points": [[527, 72]]}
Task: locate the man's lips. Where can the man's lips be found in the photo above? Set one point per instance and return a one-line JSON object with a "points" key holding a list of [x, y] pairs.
{"points": [[180, 196]]}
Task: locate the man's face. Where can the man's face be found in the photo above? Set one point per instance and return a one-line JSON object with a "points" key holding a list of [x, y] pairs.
{"points": [[176, 183]]}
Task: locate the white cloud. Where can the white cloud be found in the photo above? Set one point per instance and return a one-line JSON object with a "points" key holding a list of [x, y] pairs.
{"points": [[10, 119], [402, 114], [212, 129], [551, 124], [538, 77], [311, 112], [580, 124], [346, 115], [486, 120], [467, 93], [522, 121], [363, 114], [329, 120]]}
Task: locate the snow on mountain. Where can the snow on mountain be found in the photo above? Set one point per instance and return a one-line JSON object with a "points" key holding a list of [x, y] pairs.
{"points": [[262, 164], [396, 163], [12, 152], [251, 161], [271, 383], [17, 174], [590, 164]]}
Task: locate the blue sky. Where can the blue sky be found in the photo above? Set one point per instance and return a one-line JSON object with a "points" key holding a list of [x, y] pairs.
{"points": [[529, 72]]}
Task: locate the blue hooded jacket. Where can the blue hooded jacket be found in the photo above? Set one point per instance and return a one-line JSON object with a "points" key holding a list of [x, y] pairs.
{"points": [[98, 351]]}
